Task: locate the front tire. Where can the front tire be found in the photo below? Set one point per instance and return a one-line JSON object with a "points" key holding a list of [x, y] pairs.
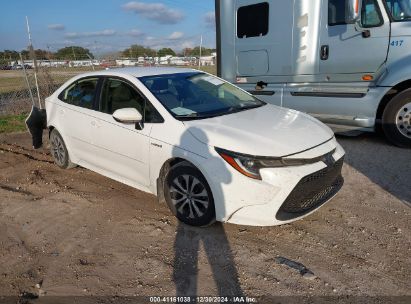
{"points": [[59, 151], [396, 120], [189, 196]]}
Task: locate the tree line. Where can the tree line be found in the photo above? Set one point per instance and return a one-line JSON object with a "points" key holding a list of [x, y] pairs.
{"points": [[80, 53], [66, 53]]}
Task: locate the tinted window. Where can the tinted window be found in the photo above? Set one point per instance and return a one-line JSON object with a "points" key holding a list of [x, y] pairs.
{"points": [[338, 12], [81, 93], [118, 94], [252, 20], [400, 9], [370, 14]]}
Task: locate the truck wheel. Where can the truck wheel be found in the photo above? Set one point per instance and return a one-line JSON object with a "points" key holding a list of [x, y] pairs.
{"points": [[59, 151], [396, 120], [189, 196]]}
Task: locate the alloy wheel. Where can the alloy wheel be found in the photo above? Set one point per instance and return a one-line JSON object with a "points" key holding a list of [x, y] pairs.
{"points": [[189, 196], [403, 120], [58, 149]]}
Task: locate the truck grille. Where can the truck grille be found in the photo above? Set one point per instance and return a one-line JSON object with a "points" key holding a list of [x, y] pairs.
{"points": [[312, 191]]}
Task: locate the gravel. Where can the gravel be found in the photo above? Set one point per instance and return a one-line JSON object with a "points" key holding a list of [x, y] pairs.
{"points": [[75, 230]]}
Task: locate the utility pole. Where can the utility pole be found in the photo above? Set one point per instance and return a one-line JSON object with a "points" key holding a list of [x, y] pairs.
{"points": [[49, 55], [201, 47], [33, 56], [27, 81], [74, 54]]}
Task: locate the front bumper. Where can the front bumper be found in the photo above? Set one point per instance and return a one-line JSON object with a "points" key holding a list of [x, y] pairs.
{"points": [[283, 195], [312, 191]]}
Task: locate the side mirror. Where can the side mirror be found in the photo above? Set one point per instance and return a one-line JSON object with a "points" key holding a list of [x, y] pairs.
{"points": [[128, 116], [355, 14]]}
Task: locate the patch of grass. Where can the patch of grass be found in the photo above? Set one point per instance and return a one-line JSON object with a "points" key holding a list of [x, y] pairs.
{"points": [[11, 84], [12, 123], [212, 69], [12, 81]]}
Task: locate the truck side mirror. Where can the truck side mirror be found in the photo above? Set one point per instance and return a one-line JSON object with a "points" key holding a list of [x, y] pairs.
{"points": [[355, 14]]}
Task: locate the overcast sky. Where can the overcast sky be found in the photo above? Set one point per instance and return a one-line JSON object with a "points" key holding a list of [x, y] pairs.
{"points": [[107, 25]]}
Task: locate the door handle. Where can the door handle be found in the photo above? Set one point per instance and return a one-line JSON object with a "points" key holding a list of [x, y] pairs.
{"points": [[325, 52]]}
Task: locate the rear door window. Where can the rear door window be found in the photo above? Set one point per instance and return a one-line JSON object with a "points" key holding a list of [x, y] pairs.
{"points": [[253, 20], [82, 93]]}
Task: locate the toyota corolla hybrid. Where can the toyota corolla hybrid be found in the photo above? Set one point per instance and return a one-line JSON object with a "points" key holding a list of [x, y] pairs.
{"points": [[210, 150]]}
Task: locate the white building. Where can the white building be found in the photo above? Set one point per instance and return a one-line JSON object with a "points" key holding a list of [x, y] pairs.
{"points": [[126, 62], [207, 60]]}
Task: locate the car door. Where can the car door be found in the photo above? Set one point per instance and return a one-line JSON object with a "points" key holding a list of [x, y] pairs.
{"points": [[123, 149], [345, 57], [76, 111], [344, 50]]}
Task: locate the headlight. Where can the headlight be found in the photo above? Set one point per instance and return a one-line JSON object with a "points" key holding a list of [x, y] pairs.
{"points": [[250, 166]]}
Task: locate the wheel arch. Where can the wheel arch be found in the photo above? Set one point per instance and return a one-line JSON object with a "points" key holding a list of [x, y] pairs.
{"points": [[394, 91], [165, 168], [50, 128], [72, 155]]}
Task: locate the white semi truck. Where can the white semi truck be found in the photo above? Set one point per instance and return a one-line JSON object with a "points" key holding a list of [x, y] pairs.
{"points": [[345, 62]]}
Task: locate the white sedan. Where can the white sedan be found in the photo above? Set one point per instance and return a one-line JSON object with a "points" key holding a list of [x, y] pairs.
{"points": [[210, 150]]}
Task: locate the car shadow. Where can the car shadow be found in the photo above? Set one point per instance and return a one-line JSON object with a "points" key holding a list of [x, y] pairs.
{"points": [[213, 238], [384, 164]]}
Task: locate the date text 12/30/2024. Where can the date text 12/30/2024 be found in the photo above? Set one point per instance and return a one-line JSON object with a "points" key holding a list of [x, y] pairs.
{"points": [[199, 299]]}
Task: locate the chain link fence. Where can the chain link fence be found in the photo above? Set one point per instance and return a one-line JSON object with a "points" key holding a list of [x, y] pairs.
{"points": [[15, 95]]}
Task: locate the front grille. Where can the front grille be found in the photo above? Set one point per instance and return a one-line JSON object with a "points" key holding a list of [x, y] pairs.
{"points": [[312, 191]]}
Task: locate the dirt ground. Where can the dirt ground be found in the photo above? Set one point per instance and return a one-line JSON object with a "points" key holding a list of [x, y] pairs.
{"points": [[76, 233]]}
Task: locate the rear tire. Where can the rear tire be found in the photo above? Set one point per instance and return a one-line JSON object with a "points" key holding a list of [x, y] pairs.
{"points": [[189, 196], [59, 151], [396, 120]]}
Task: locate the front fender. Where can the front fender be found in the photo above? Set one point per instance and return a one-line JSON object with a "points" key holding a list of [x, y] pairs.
{"points": [[396, 72]]}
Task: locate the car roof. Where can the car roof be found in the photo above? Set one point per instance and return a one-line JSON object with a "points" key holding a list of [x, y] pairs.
{"points": [[141, 71]]}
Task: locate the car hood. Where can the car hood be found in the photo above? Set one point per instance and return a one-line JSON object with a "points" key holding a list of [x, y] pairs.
{"points": [[264, 131]]}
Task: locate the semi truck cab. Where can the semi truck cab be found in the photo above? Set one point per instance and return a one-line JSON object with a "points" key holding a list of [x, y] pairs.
{"points": [[345, 62]]}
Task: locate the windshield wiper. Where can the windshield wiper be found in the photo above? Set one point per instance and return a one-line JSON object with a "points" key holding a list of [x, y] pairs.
{"points": [[194, 116], [231, 110], [244, 108]]}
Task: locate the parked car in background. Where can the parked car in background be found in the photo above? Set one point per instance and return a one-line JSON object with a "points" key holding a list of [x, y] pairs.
{"points": [[6, 67], [345, 62], [209, 149]]}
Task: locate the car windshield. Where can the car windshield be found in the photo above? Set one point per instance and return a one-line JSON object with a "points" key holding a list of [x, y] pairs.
{"points": [[399, 9], [190, 96]]}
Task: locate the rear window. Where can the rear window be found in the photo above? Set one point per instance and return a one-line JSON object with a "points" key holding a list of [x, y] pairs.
{"points": [[253, 20]]}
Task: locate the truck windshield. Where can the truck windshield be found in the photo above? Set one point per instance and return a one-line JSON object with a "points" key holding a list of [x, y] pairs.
{"points": [[400, 9], [193, 95]]}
